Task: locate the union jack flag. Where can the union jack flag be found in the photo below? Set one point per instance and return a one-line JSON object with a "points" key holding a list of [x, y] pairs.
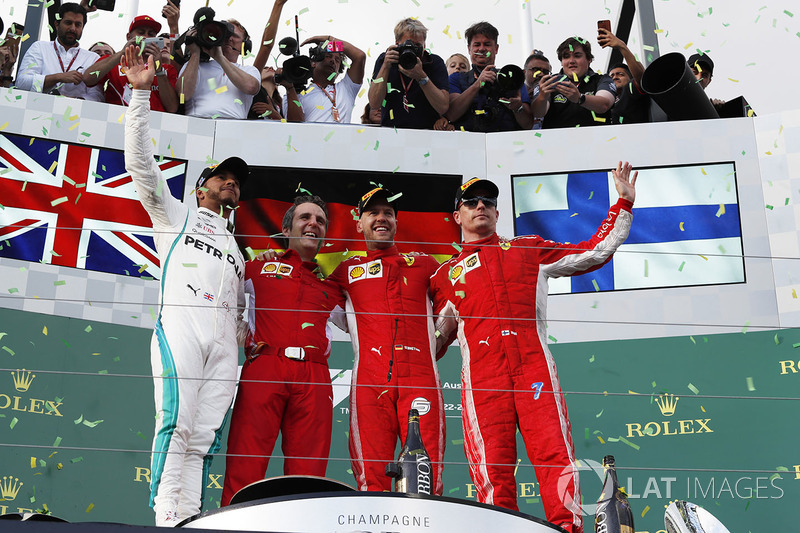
{"points": [[208, 296], [76, 206]]}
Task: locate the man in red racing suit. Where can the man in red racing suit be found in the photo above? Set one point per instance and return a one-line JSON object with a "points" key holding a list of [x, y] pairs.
{"points": [[496, 294], [285, 383], [389, 320]]}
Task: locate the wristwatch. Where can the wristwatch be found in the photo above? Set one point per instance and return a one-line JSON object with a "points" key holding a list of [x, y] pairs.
{"points": [[582, 99], [424, 81]]}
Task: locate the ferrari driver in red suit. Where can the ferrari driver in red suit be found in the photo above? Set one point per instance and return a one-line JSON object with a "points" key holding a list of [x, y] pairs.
{"points": [[389, 317], [495, 294]]}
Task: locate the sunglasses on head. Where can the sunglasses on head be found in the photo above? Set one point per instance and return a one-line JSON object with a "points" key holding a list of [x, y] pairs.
{"points": [[472, 203]]}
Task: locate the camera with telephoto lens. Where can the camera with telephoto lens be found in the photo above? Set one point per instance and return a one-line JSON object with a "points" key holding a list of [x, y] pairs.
{"points": [[296, 69], [409, 52], [210, 32], [509, 81]]}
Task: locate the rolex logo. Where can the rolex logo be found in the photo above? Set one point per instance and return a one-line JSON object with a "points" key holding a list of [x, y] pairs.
{"points": [[667, 403], [9, 488], [22, 379]]}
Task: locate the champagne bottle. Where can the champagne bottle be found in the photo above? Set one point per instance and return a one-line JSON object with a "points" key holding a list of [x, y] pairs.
{"points": [[613, 513], [412, 471]]}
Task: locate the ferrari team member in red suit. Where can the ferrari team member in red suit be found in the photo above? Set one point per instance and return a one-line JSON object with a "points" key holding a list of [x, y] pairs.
{"points": [[389, 317], [285, 383], [496, 294]]}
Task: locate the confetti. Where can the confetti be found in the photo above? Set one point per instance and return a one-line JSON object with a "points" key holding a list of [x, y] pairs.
{"points": [[629, 443], [59, 201], [750, 385], [306, 325], [644, 511], [693, 388]]}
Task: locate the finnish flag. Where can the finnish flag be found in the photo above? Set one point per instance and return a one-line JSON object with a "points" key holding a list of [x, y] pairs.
{"points": [[685, 229]]}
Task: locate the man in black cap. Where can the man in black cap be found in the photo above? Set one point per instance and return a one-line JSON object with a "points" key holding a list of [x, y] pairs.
{"points": [[703, 68], [389, 319], [495, 294], [194, 351]]}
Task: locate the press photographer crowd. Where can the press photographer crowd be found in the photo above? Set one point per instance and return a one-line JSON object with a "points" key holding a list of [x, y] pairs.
{"points": [[206, 72]]}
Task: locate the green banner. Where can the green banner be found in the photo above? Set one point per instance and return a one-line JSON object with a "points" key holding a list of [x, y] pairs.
{"points": [[707, 419]]}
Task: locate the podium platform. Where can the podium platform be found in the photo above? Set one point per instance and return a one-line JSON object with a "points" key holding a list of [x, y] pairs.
{"points": [[367, 512]]}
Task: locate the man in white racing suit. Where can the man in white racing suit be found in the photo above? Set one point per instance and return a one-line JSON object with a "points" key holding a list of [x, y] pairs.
{"points": [[194, 351]]}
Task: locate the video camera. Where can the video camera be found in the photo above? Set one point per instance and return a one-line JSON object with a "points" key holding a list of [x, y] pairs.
{"points": [[210, 32], [297, 69]]}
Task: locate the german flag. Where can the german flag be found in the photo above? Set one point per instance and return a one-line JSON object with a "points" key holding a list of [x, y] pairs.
{"points": [[424, 219]]}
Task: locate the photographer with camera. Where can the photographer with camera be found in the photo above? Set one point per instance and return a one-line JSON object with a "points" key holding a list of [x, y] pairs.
{"points": [[576, 96], [483, 98], [56, 66], [267, 103], [328, 100], [419, 77], [212, 84], [141, 33]]}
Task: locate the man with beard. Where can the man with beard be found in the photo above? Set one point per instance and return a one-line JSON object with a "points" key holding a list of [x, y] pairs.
{"points": [[285, 384], [327, 100], [576, 96], [57, 66], [194, 351], [389, 319], [200, 81]]}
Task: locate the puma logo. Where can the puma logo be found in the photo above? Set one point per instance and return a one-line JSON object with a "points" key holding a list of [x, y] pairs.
{"points": [[193, 289]]}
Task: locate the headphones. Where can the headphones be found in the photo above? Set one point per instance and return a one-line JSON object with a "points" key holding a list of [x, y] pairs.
{"points": [[247, 42]]}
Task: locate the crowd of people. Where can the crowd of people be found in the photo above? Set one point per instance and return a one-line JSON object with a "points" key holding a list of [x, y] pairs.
{"points": [[410, 86]]}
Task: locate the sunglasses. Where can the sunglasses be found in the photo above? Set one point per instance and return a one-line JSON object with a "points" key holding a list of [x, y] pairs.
{"points": [[472, 203]]}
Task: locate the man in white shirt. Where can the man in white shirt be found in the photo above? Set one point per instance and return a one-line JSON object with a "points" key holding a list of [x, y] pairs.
{"points": [[219, 87], [57, 66], [326, 100]]}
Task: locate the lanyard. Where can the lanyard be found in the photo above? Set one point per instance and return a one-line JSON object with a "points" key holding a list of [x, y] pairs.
{"points": [[406, 105], [58, 55], [334, 109]]}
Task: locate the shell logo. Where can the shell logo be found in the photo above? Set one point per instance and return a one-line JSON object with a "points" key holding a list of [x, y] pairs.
{"points": [[269, 268], [357, 272], [456, 273]]}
